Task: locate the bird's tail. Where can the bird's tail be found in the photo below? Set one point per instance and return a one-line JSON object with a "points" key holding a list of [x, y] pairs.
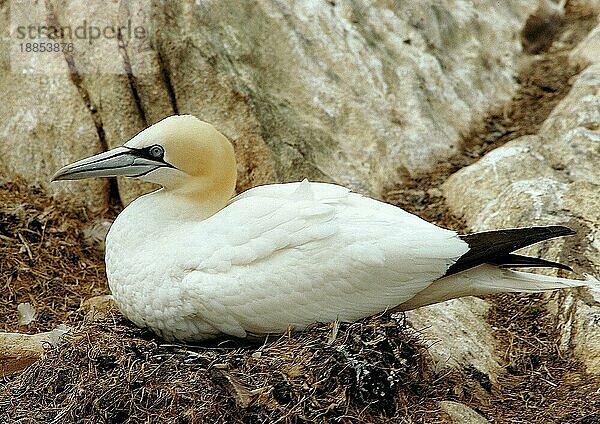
{"points": [[489, 279]]}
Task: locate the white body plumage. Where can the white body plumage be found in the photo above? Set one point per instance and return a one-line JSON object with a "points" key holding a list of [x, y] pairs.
{"points": [[278, 256]]}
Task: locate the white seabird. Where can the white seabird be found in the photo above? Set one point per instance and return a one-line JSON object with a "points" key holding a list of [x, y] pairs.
{"points": [[190, 262]]}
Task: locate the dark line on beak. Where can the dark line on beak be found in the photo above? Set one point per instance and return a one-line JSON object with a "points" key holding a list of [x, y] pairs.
{"points": [[147, 172]]}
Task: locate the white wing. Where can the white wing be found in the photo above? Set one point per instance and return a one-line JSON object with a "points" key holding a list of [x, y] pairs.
{"points": [[293, 254]]}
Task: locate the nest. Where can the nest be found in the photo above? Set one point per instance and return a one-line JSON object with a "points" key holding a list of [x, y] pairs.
{"points": [[110, 371]]}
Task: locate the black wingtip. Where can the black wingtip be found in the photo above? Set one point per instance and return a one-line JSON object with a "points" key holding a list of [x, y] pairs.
{"points": [[558, 230], [496, 247]]}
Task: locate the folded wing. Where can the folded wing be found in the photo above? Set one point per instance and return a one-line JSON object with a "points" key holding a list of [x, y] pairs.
{"points": [[292, 254]]}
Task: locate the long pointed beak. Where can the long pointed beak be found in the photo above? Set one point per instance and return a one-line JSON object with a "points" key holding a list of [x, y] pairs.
{"points": [[122, 161]]}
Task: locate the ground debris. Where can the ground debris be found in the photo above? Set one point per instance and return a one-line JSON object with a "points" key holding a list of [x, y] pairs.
{"points": [[540, 384], [111, 371], [43, 259]]}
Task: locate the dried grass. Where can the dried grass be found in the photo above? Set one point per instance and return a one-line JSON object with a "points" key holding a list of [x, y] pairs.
{"points": [[110, 371], [44, 259]]}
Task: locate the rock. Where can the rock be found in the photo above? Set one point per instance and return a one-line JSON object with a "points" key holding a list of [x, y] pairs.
{"points": [[458, 336], [99, 307], [18, 351], [95, 233], [588, 51], [460, 413], [26, 312], [549, 178], [355, 92], [579, 320]]}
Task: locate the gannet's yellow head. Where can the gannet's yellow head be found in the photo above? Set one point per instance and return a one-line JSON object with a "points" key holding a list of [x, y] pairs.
{"points": [[181, 153]]}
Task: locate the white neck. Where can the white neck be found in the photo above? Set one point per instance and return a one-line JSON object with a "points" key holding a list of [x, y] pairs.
{"points": [[178, 206]]}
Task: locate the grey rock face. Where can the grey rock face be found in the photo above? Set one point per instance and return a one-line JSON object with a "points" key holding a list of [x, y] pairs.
{"points": [[459, 335], [460, 413], [549, 178], [355, 92]]}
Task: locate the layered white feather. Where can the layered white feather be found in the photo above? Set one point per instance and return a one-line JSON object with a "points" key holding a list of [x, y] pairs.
{"points": [[278, 256]]}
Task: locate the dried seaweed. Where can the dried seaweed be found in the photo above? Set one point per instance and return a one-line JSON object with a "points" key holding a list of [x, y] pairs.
{"points": [[44, 259], [111, 371]]}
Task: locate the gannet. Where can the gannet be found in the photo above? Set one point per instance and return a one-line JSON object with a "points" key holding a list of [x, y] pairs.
{"points": [[190, 261]]}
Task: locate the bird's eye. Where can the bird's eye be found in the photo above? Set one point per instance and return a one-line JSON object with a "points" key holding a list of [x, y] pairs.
{"points": [[156, 151]]}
